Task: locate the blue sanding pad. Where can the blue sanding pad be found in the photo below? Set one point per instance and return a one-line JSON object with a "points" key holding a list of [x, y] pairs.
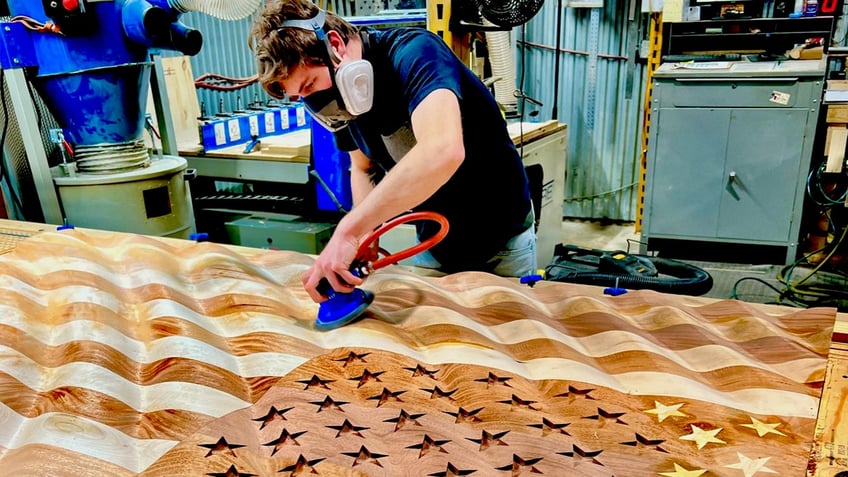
{"points": [[342, 308]]}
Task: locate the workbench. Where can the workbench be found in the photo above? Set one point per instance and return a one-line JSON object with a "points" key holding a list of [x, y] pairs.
{"points": [[286, 159], [134, 355]]}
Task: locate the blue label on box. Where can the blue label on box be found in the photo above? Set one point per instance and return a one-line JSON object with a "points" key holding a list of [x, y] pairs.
{"points": [[221, 132]]}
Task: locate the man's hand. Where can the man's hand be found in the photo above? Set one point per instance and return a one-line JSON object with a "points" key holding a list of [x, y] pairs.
{"points": [[333, 264]]}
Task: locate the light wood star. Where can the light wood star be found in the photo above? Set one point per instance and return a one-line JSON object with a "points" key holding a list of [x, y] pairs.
{"points": [[749, 466], [680, 471], [663, 412], [763, 428], [702, 437]]}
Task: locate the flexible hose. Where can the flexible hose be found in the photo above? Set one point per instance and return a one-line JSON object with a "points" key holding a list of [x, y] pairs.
{"points": [[503, 67], [409, 252], [223, 9], [687, 279]]}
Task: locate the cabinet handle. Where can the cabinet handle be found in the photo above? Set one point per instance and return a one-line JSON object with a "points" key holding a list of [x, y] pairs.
{"points": [[731, 80]]}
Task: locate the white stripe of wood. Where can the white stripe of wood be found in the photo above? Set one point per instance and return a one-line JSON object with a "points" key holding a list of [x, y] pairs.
{"points": [[203, 289], [271, 364], [82, 436], [701, 359], [155, 397]]}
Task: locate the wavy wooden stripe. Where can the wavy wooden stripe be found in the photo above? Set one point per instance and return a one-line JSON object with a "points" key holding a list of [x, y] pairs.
{"points": [[183, 363], [71, 287], [169, 424], [44, 460], [595, 344], [141, 363], [592, 346], [601, 318], [208, 400], [81, 436]]}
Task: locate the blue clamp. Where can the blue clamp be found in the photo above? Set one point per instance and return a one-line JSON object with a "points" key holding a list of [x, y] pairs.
{"points": [[254, 141], [65, 225], [199, 236], [533, 278], [615, 291]]}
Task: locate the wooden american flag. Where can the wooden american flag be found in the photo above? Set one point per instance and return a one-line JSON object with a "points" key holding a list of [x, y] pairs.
{"points": [[128, 355]]}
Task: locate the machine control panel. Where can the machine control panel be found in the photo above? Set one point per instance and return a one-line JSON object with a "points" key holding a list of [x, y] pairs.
{"points": [[73, 17]]}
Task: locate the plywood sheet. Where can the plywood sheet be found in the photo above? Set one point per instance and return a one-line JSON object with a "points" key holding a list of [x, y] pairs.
{"points": [[128, 355]]}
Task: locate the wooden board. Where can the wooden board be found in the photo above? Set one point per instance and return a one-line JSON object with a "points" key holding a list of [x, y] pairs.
{"points": [[182, 99], [524, 133], [291, 147], [830, 447], [129, 355]]}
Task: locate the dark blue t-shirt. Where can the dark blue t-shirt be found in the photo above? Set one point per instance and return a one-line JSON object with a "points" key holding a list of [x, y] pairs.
{"points": [[487, 201]]}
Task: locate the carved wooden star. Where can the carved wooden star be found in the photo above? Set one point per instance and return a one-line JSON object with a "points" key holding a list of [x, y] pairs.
{"points": [[579, 455], [273, 415], [519, 464], [703, 437], [285, 438], [367, 376], [329, 403], [680, 471], [603, 416], [750, 467], [763, 428], [315, 381], [419, 370], [518, 402], [663, 412], [365, 456], [488, 440], [493, 379], [547, 426], [465, 416], [302, 466], [437, 392], [347, 428], [452, 471], [404, 419], [231, 472], [429, 444], [574, 393], [643, 442], [220, 447], [386, 396], [352, 358]]}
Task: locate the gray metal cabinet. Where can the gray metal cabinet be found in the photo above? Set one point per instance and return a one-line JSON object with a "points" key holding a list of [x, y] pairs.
{"points": [[729, 151]]}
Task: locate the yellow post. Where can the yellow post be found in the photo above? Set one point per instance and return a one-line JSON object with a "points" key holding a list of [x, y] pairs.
{"points": [[654, 50], [438, 22]]}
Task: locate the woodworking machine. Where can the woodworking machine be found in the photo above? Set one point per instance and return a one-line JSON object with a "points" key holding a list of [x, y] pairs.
{"points": [[91, 62]]}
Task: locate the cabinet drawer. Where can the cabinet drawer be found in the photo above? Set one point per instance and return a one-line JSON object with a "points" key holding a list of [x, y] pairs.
{"points": [[737, 93]]}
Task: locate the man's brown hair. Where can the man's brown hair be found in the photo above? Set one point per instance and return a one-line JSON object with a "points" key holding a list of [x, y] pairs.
{"points": [[279, 50]]}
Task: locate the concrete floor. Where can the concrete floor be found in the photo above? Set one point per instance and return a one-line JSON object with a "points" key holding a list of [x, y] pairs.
{"points": [[593, 234]]}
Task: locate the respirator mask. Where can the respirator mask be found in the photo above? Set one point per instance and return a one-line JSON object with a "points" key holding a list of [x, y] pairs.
{"points": [[352, 93]]}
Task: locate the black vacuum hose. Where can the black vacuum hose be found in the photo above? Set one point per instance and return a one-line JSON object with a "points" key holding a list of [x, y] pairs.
{"points": [[685, 279]]}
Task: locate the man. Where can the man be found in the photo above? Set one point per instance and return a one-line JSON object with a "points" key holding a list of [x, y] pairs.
{"points": [[423, 133]]}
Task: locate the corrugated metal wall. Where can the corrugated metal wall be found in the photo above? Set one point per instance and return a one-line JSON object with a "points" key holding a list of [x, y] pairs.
{"points": [[603, 150], [602, 160], [224, 52]]}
